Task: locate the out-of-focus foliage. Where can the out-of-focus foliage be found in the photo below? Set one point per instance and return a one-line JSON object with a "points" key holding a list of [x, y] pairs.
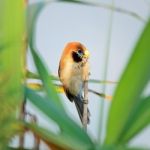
{"points": [[11, 69], [129, 112], [129, 94]]}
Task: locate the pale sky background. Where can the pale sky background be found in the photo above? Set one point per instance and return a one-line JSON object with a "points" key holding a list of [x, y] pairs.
{"points": [[60, 23]]}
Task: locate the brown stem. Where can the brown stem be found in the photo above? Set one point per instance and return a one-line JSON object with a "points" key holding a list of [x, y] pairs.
{"points": [[33, 119], [36, 138], [85, 106], [22, 117]]}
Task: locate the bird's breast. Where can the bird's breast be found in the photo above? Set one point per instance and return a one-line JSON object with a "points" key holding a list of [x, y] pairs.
{"points": [[72, 78]]}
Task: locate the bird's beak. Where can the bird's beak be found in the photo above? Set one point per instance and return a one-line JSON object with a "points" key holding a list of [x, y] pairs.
{"points": [[86, 54]]}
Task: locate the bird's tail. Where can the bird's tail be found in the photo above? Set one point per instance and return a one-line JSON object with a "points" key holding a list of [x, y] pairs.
{"points": [[78, 100], [79, 105]]}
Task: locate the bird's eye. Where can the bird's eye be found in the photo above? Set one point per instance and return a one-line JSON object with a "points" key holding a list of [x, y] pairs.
{"points": [[80, 51], [77, 55]]}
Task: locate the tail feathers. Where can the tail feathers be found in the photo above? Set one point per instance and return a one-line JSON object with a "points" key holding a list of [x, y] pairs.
{"points": [[79, 105], [78, 100]]}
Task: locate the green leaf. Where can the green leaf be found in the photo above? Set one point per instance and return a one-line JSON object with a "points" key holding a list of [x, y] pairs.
{"points": [[105, 6], [31, 75], [130, 87], [52, 111], [47, 81], [9, 127], [10, 148], [61, 141], [120, 147], [138, 120], [11, 69], [33, 11]]}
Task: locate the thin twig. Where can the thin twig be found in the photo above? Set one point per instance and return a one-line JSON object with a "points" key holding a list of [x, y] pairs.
{"points": [[104, 96], [39, 87], [31, 75], [102, 81], [22, 117], [33, 119], [102, 128], [23, 105], [85, 106], [36, 138]]}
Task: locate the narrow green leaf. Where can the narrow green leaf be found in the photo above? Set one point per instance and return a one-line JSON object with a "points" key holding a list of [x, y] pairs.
{"points": [[105, 6], [137, 121], [9, 127], [31, 75], [120, 147], [47, 81], [69, 127], [59, 140], [11, 148], [11, 69], [33, 11], [130, 87]]}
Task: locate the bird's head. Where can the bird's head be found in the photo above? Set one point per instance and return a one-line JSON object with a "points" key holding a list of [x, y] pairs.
{"points": [[78, 52]]}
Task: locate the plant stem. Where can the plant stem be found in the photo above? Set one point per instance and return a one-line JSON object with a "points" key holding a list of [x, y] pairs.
{"points": [[36, 138], [101, 131], [22, 117], [85, 106], [23, 104]]}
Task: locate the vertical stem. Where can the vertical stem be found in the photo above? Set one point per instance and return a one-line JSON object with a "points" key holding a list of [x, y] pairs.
{"points": [[36, 142], [22, 117], [23, 105], [85, 105], [36, 138], [101, 120]]}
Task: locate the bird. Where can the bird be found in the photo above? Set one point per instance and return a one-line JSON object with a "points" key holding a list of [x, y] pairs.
{"points": [[73, 71]]}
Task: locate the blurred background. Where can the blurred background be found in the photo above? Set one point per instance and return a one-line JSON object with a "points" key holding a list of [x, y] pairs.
{"points": [[109, 35]]}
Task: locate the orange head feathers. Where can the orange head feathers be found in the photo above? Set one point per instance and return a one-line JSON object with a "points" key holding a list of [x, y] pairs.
{"points": [[76, 51]]}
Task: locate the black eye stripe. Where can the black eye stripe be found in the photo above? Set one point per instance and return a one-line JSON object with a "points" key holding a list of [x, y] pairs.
{"points": [[77, 57]]}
